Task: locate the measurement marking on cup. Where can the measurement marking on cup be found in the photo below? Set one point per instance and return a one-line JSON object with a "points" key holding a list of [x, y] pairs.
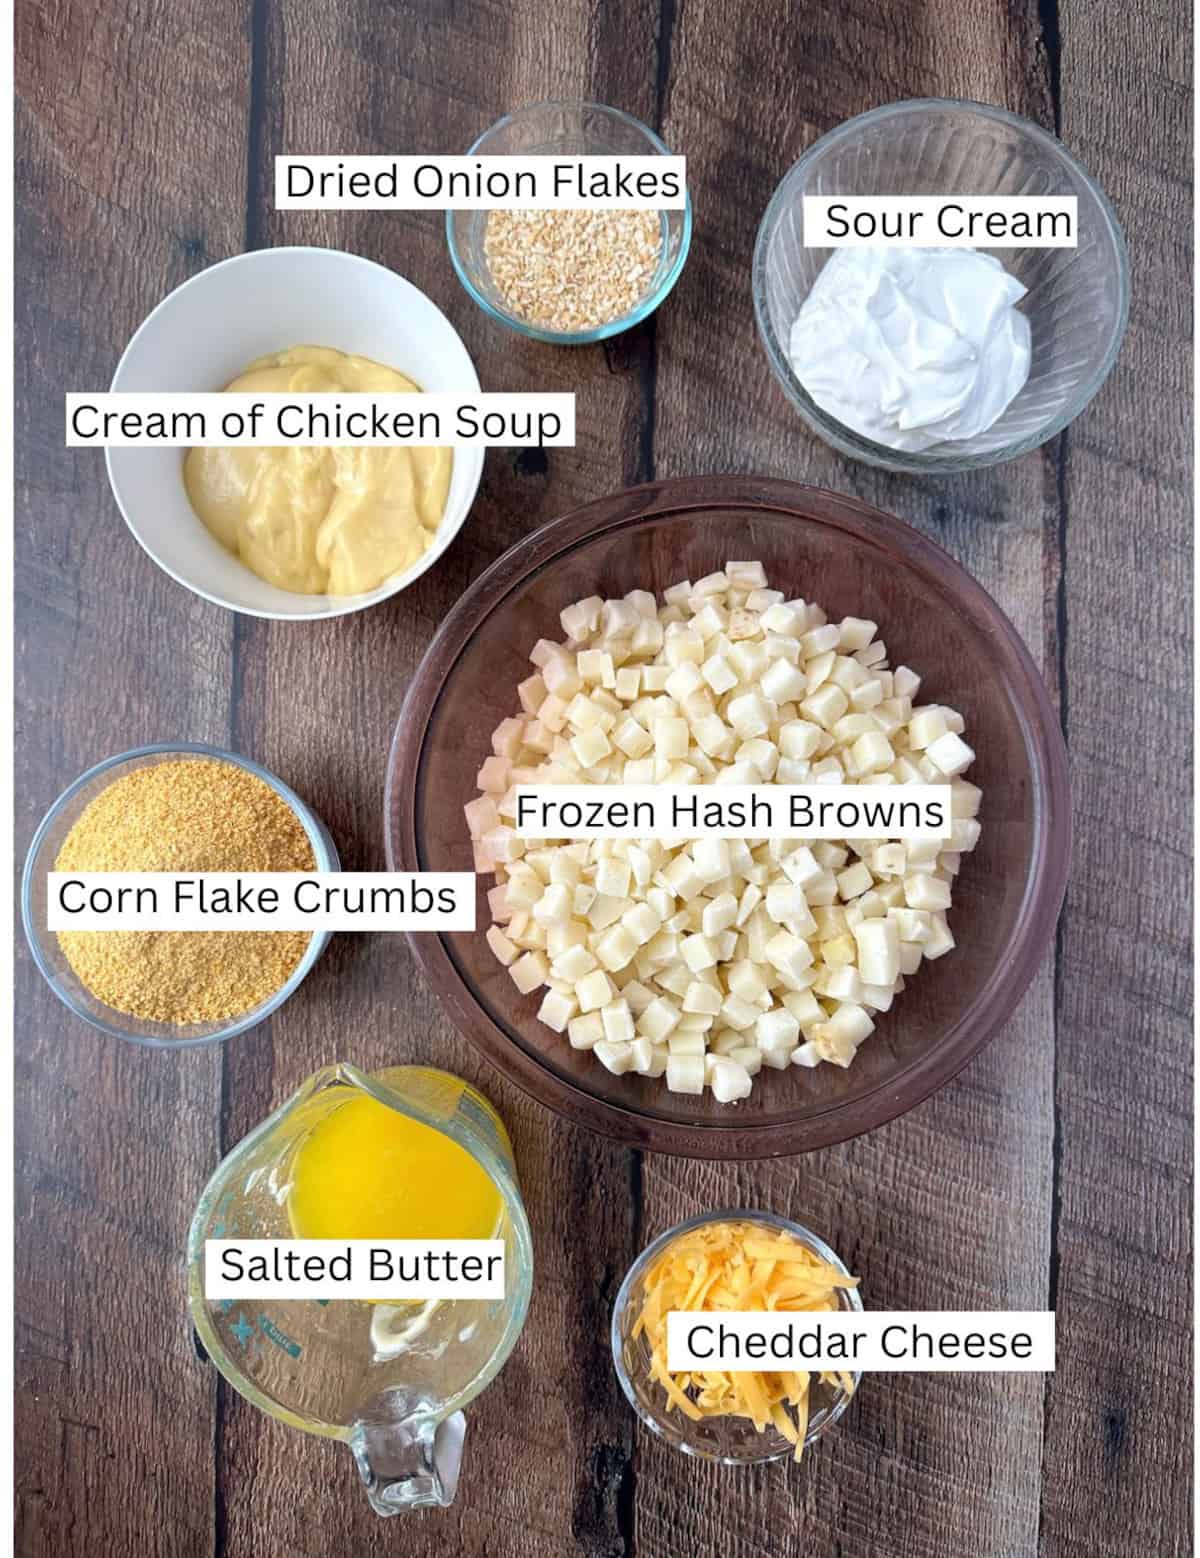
{"points": [[242, 1329], [280, 1338]]}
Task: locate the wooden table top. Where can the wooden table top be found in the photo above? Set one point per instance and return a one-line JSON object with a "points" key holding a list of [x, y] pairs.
{"points": [[1053, 1172]]}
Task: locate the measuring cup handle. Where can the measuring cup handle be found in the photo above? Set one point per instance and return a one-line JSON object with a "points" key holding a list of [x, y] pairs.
{"points": [[412, 1464]]}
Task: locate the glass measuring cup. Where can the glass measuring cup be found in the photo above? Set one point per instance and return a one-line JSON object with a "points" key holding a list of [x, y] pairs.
{"points": [[390, 1380]]}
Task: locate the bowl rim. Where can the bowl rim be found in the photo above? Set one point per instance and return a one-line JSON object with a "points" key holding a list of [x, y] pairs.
{"points": [[618, 326], [324, 852], [1018, 960], [638, 1267], [930, 463], [472, 456]]}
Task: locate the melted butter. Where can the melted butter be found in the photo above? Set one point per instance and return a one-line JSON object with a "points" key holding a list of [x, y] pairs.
{"points": [[317, 521]]}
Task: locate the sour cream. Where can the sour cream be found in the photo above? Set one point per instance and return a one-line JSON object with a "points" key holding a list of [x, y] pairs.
{"points": [[912, 347]]}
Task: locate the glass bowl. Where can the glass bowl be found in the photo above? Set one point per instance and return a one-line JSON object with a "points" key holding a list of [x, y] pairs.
{"points": [[733, 1441], [43, 943], [1077, 302], [854, 560], [565, 129]]}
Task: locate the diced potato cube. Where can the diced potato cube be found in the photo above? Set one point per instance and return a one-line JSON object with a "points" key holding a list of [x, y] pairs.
{"points": [[594, 990], [529, 971], [783, 682], [872, 753], [719, 674], [851, 1022], [504, 949], [854, 880], [481, 815], [561, 677], [799, 738], [685, 1073], [613, 877], [617, 947], [701, 998], [506, 738], [532, 693], [585, 1032], [855, 633], [618, 1021], [698, 953], [719, 914], [557, 1010], [878, 951], [617, 1058], [729, 1080], [710, 858], [787, 953], [671, 737], [554, 906], [950, 754], [659, 1019], [924, 891], [826, 705], [777, 1029], [940, 941], [925, 727], [804, 1007], [628, 683], [749, 715], [684, 680], [591, 746]]}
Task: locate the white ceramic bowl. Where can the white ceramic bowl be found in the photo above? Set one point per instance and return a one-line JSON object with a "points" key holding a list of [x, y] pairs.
{"points": [[203, 335]]}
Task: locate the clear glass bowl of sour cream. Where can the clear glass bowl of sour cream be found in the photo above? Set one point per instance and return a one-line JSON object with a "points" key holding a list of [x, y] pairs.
{"points": [[1076, 301]]}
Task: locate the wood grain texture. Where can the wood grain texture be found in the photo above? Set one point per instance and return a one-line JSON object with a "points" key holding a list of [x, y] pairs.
{"points": [[949, 1206], [1117, 1456], [114, 1415], [569, 1446], [1053, 1171]]}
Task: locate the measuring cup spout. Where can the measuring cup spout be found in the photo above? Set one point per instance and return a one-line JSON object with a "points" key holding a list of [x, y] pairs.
{"points": [[410, 1464]]}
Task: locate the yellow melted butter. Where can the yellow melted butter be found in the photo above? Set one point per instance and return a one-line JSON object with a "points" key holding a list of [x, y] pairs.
{"points": [[336, 521], [365, 1171]]}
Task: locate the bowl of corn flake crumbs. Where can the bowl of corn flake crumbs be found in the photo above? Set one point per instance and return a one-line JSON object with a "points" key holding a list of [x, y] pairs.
{"points": [[565, 276], [174, 807]]}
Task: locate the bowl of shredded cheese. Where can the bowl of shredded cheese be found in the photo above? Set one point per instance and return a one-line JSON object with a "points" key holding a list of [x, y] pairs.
{"points": [[730, 1262]]}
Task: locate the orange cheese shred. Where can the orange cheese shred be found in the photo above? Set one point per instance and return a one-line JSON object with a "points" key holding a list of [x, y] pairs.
{"points": [[737, 1266]]}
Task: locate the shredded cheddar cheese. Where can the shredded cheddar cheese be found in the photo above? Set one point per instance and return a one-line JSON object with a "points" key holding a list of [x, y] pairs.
{"points": [[738, 1266]]}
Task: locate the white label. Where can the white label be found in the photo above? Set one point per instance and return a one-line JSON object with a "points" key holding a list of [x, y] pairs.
{"points": [[941, 221], [542, 183], [260, 900], [396, 1269], [120, 420], [779, 811], [885, 1342]]}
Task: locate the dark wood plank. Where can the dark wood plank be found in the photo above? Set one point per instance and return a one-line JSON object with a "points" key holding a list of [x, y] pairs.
{"points": [[114, 1415], [1118, 1455], [948, 1207], [549, 1445]]}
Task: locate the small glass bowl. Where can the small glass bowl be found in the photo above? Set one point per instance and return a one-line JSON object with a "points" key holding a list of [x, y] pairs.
{"points": [[1077, 301], [731, 1441], [43, 943], [567, 129]]}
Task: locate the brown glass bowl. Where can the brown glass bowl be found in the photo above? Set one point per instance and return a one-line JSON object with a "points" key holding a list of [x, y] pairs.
{"points": [[855, 561]]}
